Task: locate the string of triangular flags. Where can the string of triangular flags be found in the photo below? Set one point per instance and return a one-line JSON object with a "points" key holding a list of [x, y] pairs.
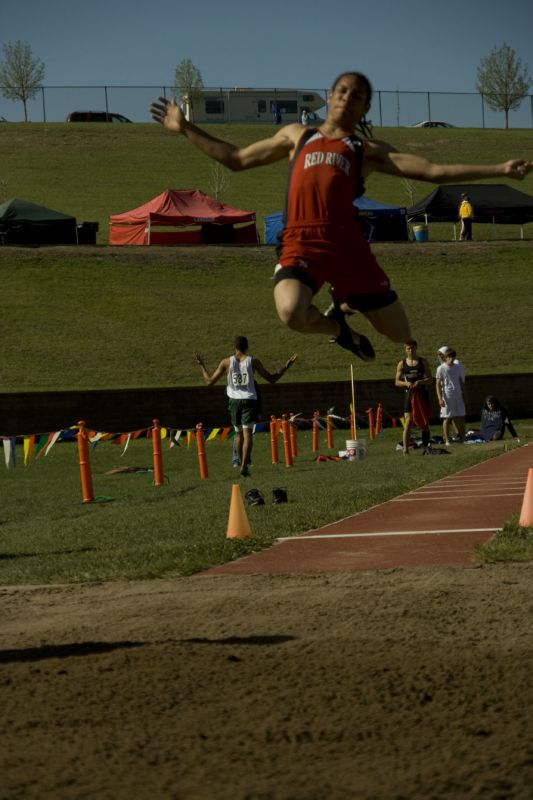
{"points": [[35, 444]]}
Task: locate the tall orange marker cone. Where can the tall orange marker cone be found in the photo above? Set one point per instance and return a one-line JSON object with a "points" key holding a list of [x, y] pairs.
{"points": [[85, 464], [238, 525], [202, 458], [286, 440], [157, 455], [526, 514], [274, 439]]}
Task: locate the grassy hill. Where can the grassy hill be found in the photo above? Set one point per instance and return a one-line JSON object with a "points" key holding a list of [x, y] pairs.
{"points": [[102, 317], [115, 317]]}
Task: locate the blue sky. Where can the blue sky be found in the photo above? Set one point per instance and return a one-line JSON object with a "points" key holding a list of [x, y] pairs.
{"points": [[400, 44]]}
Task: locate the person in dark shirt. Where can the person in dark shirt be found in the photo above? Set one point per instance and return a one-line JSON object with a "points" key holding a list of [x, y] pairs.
{"points": [[494, 420], [413, 374]]}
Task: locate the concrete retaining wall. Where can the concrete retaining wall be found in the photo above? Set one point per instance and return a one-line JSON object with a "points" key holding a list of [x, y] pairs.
{"points": [[117, 410]]}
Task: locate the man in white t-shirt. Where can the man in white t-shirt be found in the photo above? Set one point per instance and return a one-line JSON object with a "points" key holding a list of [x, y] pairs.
{"points": [[450, 386], [441, 352], [240, 388]]}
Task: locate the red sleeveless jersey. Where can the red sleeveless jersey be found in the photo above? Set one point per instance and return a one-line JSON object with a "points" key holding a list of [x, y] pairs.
{"points": [[324, 179], [322, 238]]}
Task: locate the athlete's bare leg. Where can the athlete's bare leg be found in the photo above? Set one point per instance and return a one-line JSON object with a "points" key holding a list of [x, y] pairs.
{"points": [[238, 444], [391, 321], [247, 434], [446, 430], [407, 433], [294, 304]]}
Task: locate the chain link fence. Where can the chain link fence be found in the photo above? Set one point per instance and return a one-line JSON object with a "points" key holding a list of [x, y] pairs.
{"points": [[390, 109]]}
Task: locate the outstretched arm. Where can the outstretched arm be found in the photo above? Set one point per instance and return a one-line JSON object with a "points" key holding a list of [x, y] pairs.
{"points": [[220, 370], [382, 157], [266, 151], [273, 377]]}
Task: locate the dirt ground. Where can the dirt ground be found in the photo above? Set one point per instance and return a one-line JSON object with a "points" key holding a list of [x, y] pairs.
{"points": [[407, 683]]}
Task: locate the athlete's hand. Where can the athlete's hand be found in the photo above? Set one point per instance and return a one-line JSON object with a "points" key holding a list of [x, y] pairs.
{"points": [[169, 114], [518, 168], [198, 358], [291, 360]]}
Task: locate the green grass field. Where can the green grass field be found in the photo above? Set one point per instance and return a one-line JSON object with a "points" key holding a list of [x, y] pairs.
{"points": [[98, 317], [49, 535]]}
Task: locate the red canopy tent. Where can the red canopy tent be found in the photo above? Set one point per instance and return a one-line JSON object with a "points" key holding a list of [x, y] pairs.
{"points": [[214, 222]]}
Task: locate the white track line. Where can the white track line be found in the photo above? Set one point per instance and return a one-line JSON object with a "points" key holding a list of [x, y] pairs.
{"points": [[473, 482], [456, 495], [383, 533], [456, 492]]}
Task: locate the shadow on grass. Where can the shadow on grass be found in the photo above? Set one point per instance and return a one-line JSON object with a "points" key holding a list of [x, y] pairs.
{"points": [[11, 556]]}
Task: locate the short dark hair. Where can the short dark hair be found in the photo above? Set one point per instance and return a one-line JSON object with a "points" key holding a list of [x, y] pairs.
{"points": [[411, 343], [241, 343], [359, 76]]}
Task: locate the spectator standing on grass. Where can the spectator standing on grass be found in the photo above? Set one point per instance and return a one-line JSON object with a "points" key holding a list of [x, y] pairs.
{"points": [[441, 352], [450, 387], [239, 370], [466, 216], [413, 374], [322, 240], [304, 119]]}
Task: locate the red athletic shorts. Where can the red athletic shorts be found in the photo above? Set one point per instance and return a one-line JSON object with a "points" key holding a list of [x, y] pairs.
{"points": [[341, 257]]}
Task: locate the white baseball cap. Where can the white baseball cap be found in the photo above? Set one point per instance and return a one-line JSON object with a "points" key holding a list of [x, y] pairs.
{"points": [[443, 350]]}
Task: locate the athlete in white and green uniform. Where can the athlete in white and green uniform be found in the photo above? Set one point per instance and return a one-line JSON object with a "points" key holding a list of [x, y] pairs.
{"points": [[240, 387]]}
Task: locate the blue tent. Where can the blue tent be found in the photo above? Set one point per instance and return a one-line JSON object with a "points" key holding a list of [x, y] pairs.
{"points": [[273, 226], [381, 223]]}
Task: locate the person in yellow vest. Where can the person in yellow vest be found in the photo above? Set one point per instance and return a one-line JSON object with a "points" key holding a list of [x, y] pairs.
{"points": [[466, 215]]}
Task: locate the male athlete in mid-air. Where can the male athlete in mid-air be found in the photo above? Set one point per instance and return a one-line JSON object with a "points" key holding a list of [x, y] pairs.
{"points": [[322, 240]]}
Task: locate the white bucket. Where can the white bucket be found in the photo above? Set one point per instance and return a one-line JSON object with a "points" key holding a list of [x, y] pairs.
{"points": [[356, 449]]}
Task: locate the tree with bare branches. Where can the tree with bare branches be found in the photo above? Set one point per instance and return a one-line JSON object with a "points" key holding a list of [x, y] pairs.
{"points": [[21, 74], [502, 80], [188, 84], [219, 179]]}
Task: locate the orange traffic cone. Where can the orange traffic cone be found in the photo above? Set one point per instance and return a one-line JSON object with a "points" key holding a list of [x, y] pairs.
{"points": [[238, 525], [526, 514]]}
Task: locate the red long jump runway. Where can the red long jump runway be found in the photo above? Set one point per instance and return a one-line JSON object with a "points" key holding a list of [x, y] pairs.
{"points": [[436, 525]]}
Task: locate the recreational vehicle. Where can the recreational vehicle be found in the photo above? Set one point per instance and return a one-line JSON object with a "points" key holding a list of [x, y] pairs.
{"points": [[252, 105]]}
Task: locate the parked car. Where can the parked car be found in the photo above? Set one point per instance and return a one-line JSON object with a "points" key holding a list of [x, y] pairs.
{"points": [[429, 123], [95, 116]]}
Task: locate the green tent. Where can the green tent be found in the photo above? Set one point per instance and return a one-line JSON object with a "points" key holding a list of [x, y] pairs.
{"points": [[24, 223]]}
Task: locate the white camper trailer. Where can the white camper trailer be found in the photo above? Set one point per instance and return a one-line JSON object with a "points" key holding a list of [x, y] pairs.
{"points": [[252, 105]]}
